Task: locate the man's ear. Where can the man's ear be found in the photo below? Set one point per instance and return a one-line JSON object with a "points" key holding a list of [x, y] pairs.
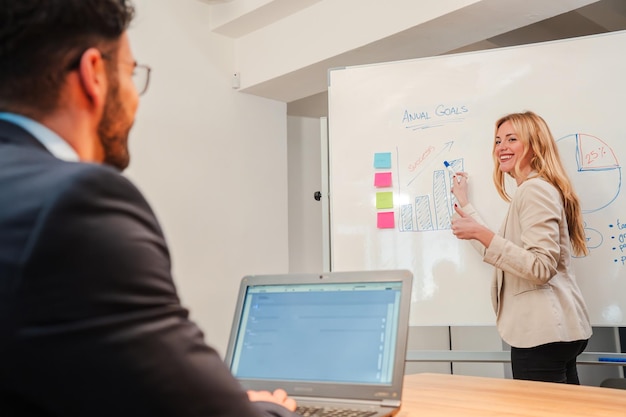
{"points": [[93, 77]]}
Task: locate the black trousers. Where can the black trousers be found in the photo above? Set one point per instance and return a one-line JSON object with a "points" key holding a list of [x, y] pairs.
{"points": [[552, 362]]}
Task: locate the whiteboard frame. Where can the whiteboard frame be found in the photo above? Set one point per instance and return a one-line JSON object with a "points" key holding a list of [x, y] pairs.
{"points": [[597, 320]]}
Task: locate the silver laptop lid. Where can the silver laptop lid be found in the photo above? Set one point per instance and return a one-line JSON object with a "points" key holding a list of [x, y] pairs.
{"points": [[338, 334]]}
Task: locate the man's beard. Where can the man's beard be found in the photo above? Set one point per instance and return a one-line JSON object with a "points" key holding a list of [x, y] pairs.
{"points": [[112, 129]]}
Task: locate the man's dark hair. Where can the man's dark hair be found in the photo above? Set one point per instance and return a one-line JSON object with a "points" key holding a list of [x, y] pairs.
{"points": [[41, 40]]}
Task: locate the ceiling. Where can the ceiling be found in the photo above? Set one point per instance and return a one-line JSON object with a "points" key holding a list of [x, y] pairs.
{"points": [[600, 17]]}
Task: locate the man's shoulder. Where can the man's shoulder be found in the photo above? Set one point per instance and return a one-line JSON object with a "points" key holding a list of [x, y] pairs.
{"points": [[57, 184], [95, 185], [89, 176], [77, 172]]}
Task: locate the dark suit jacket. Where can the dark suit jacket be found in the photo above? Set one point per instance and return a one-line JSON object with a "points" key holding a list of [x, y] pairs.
{"points": [[90, 321]]}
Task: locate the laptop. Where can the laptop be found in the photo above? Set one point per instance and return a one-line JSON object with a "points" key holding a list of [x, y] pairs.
{"points": [[332, 340]]}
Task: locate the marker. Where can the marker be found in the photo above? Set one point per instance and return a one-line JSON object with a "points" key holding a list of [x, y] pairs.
{"points": [[612, 359], [447, 164]]}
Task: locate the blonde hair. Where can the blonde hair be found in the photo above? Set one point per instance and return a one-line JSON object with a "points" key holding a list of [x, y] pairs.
{"points": [[535, 135]]}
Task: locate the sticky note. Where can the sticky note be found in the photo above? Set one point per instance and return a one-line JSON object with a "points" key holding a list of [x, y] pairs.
{"points": [[386, 220], [382, 160], [382, 179], [384, 200]]}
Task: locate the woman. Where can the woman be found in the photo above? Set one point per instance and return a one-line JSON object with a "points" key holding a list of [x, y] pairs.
{"points": [[539, 308]]}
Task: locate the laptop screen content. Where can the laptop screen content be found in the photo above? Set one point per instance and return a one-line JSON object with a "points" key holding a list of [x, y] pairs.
{"points": [[331, 332]]}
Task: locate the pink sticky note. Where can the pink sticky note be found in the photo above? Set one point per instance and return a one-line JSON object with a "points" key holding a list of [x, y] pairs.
{"points": [[382, 179], [386, 220]]}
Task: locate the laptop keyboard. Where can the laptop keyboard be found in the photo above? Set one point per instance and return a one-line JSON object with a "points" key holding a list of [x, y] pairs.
{"points": [[332, 412]]}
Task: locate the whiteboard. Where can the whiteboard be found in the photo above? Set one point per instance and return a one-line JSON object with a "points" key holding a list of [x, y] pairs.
{"points": [[392, 125]]}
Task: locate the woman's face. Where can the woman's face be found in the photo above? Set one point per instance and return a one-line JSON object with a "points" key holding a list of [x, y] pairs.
{"points": [[509, 149]]}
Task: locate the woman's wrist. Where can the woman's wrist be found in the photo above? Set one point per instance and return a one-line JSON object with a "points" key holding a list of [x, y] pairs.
{"points": [[485, 236]]}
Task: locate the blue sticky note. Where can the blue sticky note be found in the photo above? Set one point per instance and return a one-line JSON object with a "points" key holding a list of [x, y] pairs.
{"points": [[382, 160]]}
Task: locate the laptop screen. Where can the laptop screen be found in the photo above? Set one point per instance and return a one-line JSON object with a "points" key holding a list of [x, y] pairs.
{"points": [[318, 332]]}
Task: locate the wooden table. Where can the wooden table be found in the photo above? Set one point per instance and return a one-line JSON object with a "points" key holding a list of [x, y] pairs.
{"points": [[441, 395]]}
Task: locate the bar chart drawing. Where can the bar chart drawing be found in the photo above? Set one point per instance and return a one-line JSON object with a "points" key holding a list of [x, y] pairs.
{"points": [[431, 206], [441, 197], [422, 210], [406, 217]]}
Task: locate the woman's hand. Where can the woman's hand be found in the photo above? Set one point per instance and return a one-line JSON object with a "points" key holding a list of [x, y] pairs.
{"points": [[466, 227], [459, 188]]}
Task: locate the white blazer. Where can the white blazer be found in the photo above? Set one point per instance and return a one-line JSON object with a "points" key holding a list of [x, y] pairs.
{"points": [[534, 292]]}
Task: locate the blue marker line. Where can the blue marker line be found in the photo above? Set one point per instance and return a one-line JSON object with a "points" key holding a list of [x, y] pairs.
{"points": [[612, 359]]}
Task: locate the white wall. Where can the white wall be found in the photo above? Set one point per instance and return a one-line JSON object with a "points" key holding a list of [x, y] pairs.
{"points": [[305, 177], [212, 161]]}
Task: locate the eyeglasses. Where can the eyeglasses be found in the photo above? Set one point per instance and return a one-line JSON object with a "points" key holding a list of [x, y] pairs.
{"points": [[140, 75]]}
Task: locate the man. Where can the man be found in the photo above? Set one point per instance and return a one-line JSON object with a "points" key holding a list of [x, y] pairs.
{"points": [[90, 321]]}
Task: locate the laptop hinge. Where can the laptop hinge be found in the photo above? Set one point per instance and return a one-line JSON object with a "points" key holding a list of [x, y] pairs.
{"points": [[390, 403]]}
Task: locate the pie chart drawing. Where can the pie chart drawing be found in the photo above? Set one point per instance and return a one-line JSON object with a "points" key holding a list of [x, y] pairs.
{"points": [[593, 168]]}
